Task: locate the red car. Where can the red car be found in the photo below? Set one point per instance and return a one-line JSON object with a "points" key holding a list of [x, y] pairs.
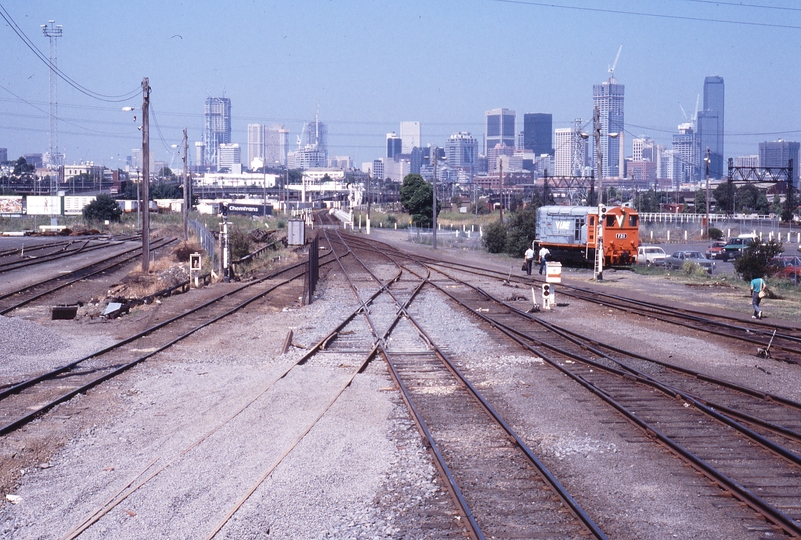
{"points": [[715, 250], [788, 267]]}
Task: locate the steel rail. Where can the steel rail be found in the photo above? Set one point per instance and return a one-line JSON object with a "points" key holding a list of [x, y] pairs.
{"points": [[758, 504], [85, 248], [558, 488], [72, 365]]}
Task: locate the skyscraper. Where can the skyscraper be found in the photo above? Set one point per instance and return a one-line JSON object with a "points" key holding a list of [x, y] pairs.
{"points": [[410, 135], [461, 150], [608, 98], [538, 133], [500, 129], [394, 145], [778, 154], [685, 144], [563, 153], [710, 125], [216, 128], [257, 135]]}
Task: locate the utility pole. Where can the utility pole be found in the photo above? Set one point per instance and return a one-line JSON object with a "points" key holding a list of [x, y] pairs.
{"points": [[434, 197], [599, 243], [145, 202], [187, 198], [500, 182], [53, 31], [706, 197]]}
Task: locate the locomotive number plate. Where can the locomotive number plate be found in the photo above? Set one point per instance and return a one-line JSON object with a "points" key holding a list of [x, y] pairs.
{"points": [[621, 236]]}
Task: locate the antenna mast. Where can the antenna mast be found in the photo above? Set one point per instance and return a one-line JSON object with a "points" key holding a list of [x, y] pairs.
{"points": [[53, 31]]}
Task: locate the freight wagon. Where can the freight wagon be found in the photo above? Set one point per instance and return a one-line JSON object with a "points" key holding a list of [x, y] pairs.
{"points": [[569, 233]]}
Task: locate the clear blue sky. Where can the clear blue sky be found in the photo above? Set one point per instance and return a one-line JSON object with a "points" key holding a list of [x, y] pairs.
{"points": [[366, 65]]}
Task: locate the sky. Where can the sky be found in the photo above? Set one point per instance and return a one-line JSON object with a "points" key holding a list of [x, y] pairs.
{"points": [[366, 65]]}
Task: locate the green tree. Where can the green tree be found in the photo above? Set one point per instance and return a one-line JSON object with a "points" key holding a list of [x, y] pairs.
{"points": [[755, 259], [103, 208], [521, 231], [494, 238], [776, 206], [700, 201], [723, 195], [762, 206], [790, 205], [165, 190], [647, 201], [415, 196], [746, 200]]}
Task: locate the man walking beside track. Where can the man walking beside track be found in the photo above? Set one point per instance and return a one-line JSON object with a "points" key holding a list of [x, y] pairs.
{"points": [[529, 257], [758, 290], [544, 252]]}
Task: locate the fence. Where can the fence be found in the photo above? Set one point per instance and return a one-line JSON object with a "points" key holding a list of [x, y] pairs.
{"points": [[465, 238], [207, 240]]}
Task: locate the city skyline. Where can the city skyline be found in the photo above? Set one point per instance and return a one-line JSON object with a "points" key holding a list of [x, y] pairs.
{"points": [[361, 97]]}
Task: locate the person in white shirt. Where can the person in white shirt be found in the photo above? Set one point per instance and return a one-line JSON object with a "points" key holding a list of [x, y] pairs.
{"points": [[529, 258], [544, 252]]}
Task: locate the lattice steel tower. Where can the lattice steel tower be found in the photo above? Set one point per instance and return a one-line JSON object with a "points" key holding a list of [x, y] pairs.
{"points": [[53, 31]]}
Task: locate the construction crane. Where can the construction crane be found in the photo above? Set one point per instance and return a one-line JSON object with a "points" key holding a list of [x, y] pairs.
{"points": [[614, 64]]}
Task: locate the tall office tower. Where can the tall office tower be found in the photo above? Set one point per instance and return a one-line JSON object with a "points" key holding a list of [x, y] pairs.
{"points": [[200, 155], [563, 152], [608, 98], [394, 145], [685, 143], [778, 154], [710, 126], [216, 128], [500, 129], [315, 136], [257, 140], [672, 167], [275, 146], [410, 135], [538, 133], [461, 150]]}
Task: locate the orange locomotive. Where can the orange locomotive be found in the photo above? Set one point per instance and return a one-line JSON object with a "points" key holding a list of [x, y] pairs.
{"points": [[569, 233]]}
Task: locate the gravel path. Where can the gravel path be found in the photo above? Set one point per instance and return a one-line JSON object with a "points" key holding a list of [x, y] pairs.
{"points": [[362, 471]]}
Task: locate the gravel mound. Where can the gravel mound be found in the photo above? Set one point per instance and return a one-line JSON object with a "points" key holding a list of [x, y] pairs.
{"points": [[24, 338]]}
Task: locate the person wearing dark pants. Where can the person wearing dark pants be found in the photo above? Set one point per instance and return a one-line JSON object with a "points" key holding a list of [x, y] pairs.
{"points": [[544, 252], [529, 260], [758, 290]]}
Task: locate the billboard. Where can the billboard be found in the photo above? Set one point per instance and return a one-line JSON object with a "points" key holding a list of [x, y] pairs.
{"points": [[250, 209], [40, 205], [11, 205]]}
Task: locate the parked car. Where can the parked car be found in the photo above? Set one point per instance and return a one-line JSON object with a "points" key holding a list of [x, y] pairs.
{"points": [[715, 250], [678, 258], [788, 267], [735, 246], [651, 255]]}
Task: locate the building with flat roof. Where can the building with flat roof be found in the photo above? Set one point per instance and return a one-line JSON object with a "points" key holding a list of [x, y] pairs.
{"points": [[216, 128], [230, 157], [710, 126], [608, 99], [461, 150], [500, 129], [410, 135], [538, 133], [394, 145], [778, 154]]}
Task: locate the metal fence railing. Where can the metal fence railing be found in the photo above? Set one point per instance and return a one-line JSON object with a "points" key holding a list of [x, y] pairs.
{"points": [[207, 240]]}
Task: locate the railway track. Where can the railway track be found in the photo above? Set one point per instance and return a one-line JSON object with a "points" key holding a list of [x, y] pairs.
{"points": [[739, 438], [13, 300], [24, 401], [15, 259], [501, 487]]}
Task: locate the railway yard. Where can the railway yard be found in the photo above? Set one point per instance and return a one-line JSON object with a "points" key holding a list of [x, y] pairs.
{"points": [[420, 395]]}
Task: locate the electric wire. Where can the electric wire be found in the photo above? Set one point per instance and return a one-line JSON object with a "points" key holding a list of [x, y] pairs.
{"points": [[66, 78]]}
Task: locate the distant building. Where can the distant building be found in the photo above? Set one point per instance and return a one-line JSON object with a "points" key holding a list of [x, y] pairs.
{"points": [[685, 143], [410, 135], [500, 129], [710, 126], [200, 155], [216, 128], [778, 154], [498, 150], [378, 169], [256, 141], [461, 150], [34, 159], [563, 152], [538, 133], [672, 167], [642, 173], [394, 145], [340, 162], [747, 161], [3, 154], [315, 136], [230, 158], [608, 99]]}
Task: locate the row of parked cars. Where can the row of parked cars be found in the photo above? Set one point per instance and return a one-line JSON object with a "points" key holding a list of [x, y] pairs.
{"points": [[787, 266]]}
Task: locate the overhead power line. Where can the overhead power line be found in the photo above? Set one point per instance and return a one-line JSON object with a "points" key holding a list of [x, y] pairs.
{"points": [[66, 78]]}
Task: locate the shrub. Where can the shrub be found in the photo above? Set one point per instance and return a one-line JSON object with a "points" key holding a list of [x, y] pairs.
{"points": [[103, 208], [715, 233], [495, 237], [755, 259]]}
